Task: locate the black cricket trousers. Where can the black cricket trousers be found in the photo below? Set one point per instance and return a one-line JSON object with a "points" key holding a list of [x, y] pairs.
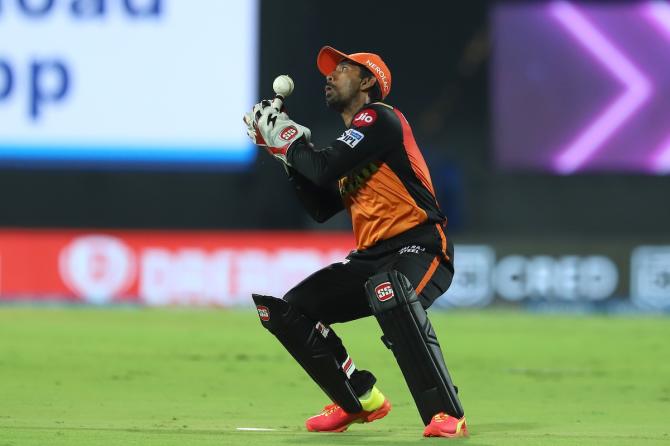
{"points": [[337, 293]]}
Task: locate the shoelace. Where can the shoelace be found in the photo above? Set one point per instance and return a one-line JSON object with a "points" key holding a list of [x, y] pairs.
{"points": [[329, 409], [441, 417]]}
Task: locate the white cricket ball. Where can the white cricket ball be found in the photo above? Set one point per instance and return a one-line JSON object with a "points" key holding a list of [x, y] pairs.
{"points": [[283, 85]]}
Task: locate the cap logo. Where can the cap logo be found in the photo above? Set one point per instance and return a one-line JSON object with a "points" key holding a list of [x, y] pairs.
{"points": [[375, 68], [384, 291]]}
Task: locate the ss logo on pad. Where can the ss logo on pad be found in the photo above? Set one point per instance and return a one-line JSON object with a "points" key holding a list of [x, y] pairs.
{"points": [[384, 291]]}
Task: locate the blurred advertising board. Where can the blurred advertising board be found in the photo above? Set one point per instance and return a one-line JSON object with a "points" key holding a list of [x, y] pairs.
{"points": [[650, 277], [160, 268], [223, 268], [586, 118], [132, 83]]}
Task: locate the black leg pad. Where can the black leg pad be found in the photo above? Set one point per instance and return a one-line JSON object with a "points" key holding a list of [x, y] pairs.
{"points": [[411, 338], [308, 346]]}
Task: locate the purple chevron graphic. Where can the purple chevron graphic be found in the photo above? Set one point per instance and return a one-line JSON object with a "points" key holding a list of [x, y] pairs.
{"points": [[582, 86], [658, 14], [637, 88]]}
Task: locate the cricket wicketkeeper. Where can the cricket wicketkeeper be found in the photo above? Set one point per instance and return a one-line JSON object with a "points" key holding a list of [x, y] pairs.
{"points": [[403, 260]]}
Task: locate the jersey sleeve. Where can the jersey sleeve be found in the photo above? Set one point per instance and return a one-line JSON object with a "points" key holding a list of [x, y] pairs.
{"points": [[321, 202], [373, 131]]}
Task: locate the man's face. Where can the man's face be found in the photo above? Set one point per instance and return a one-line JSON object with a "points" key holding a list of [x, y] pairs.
{"points": [[342, 85]]}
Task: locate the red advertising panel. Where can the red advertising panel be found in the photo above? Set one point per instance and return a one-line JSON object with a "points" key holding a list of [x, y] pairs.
{"points": [[161, 267], [223, 268]]}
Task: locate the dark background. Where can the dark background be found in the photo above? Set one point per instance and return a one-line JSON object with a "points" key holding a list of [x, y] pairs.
{"points": [[439, 54]]}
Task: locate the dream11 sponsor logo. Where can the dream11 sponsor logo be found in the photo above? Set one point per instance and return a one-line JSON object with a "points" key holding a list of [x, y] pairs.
{"points": [[97, 267], [225, 277], [100, 269]]}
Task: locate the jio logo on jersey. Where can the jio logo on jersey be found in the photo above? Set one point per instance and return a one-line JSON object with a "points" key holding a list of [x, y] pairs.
{"points": [[384, 291], [364, 118]]}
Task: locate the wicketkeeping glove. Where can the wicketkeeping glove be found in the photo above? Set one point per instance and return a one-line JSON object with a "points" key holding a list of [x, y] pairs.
{"points": [[248, 119], [278, 132]]}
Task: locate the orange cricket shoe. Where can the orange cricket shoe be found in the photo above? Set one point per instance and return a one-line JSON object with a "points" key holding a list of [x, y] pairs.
{"points": [[443, 425], [334, 419]]}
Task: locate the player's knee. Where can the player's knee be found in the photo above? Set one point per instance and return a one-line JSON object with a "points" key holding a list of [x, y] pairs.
{"points": [[388, 289], [301, 302], [292, 297]]}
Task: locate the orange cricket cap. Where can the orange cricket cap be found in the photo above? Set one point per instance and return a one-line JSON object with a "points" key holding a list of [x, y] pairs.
{"points": [[329, 57]]}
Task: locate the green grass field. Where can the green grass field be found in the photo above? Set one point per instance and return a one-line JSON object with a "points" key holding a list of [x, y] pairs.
{"points": [[89, 377]]}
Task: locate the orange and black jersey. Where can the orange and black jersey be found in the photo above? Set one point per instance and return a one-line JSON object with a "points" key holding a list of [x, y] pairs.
{"points": [[375, 170]]}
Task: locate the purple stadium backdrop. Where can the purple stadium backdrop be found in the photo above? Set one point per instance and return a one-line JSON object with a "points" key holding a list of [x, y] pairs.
{"points": [[582, 87]]}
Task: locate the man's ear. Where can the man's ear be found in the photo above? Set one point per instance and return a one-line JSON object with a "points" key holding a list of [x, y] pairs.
{"points": [[368, 83]]}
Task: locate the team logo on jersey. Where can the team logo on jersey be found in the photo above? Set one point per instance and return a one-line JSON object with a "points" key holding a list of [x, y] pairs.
{"points": [[357, 179], [263, 312], [288, 133], [384, 291], [364, 118], [351, 137]]}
